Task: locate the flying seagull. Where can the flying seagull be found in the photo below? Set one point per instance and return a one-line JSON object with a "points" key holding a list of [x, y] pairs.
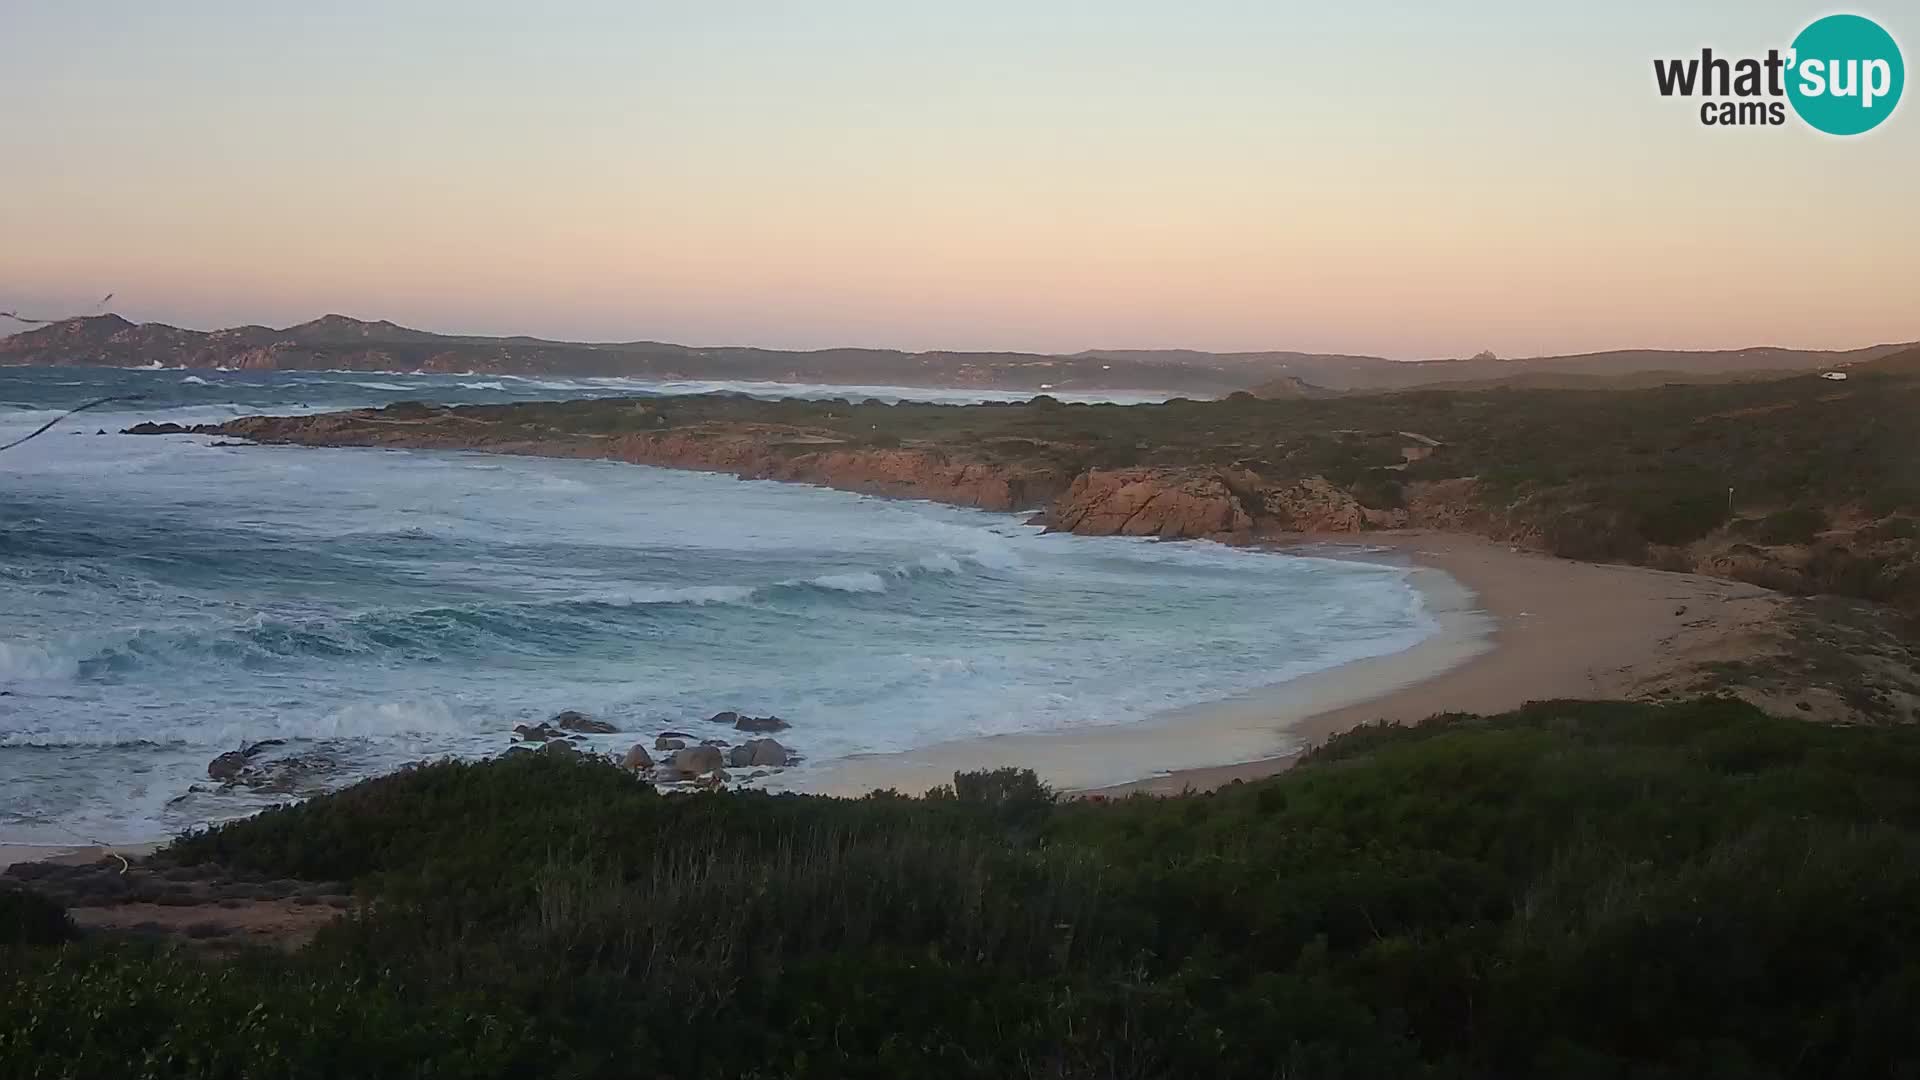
{"points": [[19, 318], [42, 429]]}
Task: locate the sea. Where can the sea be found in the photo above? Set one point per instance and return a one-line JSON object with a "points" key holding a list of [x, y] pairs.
{"points": [[164, 599]]}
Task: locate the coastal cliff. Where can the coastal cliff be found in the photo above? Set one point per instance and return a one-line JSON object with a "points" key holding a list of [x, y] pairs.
{"points": [[1229, 505], [1173, 504], [1170, 503]]}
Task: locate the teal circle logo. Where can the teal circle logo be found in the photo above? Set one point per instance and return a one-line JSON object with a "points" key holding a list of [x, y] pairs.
{"points": [[1845, 74]]}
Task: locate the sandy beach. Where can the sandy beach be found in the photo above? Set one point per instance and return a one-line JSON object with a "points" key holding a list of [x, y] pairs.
{"points": [[1515, 626]]}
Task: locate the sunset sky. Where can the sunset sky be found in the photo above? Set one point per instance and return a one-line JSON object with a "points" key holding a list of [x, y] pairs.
{"points": [[1391, 178]]}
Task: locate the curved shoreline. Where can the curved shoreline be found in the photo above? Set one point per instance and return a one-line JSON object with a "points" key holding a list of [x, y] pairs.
{"points": [[1515, 626], [1257, 725], [1558, 629]]}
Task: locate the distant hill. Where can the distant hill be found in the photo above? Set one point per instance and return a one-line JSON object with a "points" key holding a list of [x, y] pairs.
{"points": [[337, 342], [1620, 370], [1905, 362], [344, 343], [1290, 386]]}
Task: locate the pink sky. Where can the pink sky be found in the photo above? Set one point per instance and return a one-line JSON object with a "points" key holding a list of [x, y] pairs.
{"points": [[1385, 180]]}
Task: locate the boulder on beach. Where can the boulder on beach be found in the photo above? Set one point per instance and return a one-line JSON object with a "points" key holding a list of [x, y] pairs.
{"points": [[665, 742], [577, 721], [694, 760], [757, 753], [637, 758], [560, 748], [759, 725], [727, 718], [534, 733]]}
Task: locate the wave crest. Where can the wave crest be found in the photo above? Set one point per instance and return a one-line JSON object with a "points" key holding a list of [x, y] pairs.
{"points": [[554, 627]]}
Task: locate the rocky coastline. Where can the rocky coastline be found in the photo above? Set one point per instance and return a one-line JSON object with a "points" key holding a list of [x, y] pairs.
{"points": [[1168, 502]]}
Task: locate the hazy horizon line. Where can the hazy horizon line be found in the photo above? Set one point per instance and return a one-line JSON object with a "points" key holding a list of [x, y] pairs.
{"points": [[20, 329]]}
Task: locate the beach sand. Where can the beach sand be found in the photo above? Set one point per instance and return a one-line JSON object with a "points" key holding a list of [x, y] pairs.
{"points": [[1515, 626]]}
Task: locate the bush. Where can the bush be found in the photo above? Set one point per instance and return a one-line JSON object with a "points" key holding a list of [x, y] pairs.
{"points": [[1681, 519], [27, 918], [410, 410], [1798, 525], [1379, 489], [1592, 534], [1014, 794]]}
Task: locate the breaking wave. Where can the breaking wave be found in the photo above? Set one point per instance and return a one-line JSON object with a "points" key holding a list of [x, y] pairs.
{"points": [[440, 633]]}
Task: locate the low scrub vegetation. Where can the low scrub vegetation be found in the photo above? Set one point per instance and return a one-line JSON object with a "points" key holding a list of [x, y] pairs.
{"points": [[1572, 889]]}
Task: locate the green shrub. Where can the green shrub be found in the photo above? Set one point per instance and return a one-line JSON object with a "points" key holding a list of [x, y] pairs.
{"points": [[27, 918], [1798, 525], [1007, 788], [1681, 519], [1379, 489], [410, 410]]}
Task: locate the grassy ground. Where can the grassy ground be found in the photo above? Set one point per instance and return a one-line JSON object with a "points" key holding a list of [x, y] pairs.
{"points": [[1572, 889]]}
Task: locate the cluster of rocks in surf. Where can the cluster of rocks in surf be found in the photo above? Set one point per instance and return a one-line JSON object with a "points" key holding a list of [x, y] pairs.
{"points": [[683, 758], [253, 768], [565, 725]]}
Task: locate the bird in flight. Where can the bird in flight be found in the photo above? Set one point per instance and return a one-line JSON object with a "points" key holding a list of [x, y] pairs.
{"points": [[19, 318]]}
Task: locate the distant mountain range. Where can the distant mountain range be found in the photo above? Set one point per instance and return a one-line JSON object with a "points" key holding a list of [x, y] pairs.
{"points": [[1303, 375], [337, 342]]}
